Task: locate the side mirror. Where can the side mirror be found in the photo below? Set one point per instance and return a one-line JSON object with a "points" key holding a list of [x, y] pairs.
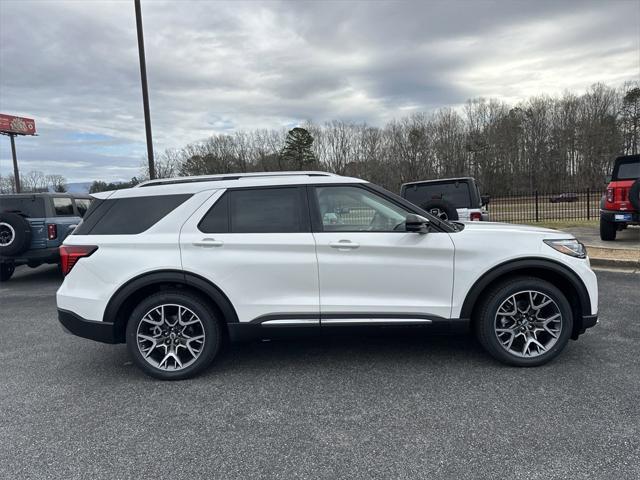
{"points": [[416, 223], [485, 199]]}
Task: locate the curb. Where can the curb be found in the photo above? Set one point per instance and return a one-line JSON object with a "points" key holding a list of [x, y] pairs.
{"points": [[611, 263], [606, 257]]}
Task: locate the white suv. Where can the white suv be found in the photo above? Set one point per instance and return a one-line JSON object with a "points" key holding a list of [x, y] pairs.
{"points": [[175, 267]]}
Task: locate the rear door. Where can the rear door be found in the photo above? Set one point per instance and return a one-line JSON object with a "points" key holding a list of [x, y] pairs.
{"points": [[371, 270], [256, 245]]}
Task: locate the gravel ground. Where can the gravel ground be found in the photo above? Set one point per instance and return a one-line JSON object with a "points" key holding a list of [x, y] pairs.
{"points": [[399, 407]]}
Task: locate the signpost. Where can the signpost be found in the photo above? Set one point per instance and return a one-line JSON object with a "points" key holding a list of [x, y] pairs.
{"points": [[14, 126]]}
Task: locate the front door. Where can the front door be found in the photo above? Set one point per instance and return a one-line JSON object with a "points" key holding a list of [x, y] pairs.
{"points": [[371, 270]]}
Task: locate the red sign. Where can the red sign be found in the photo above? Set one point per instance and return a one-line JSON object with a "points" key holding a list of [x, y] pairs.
{"points": [[17, 125]]}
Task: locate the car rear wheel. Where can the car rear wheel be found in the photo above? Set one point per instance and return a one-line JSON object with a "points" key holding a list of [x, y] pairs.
{"points": [[6, 271], [607, 230], [524, 322], [173, 335]]}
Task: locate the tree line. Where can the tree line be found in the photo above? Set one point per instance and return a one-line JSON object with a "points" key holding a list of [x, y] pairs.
{"points": [[543, 143]]}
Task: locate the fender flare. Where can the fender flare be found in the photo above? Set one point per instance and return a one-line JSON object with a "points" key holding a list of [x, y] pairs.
{"points": [[205, 287], [521, 266]]}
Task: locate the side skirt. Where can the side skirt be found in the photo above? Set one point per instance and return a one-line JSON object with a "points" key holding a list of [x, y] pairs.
{"points": [[309, 325]]}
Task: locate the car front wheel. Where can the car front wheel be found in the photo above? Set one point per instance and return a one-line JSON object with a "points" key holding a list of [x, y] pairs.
{"points": [[173, 335], [524, 322]]}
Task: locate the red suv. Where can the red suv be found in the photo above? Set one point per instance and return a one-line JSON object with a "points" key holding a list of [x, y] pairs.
{"points": [[620, 206]]}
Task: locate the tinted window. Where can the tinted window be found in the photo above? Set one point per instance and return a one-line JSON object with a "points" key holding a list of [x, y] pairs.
{"points": [[217, 218], [628, 171], [82, 205], [63, 206], [356, 209], [457, 193], [267, 210], [124, 216], [32, 207]]}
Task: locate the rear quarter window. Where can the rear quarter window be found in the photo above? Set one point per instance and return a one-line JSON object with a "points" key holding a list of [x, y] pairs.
{"points": [[82, 205], [128, 216], [63, 207]]}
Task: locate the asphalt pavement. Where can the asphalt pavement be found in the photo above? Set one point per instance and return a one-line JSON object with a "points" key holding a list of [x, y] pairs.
{"points": [[410, 406]]}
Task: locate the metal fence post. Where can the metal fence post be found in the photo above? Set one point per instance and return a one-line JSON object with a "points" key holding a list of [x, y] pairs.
{"points": [[588, 204], [537, 212]]}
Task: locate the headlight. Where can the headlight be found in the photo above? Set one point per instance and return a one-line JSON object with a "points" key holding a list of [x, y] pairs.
{"points": [[569, 247]]}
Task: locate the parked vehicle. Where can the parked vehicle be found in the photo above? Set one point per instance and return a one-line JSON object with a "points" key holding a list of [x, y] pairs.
{"points": [[564, 198], [620, 206], [33, 226], [175, 267], [449, 198]]}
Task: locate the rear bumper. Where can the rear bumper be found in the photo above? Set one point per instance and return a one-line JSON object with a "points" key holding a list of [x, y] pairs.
{"points": [[610, 216], [39, 255], [99, 331]]}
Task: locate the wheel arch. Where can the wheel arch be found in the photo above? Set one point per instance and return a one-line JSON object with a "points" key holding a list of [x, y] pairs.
{"points": [[549, 270], [131, 293]]}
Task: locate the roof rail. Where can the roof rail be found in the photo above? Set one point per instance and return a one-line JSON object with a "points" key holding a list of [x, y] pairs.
{"points": [[230, 176]]}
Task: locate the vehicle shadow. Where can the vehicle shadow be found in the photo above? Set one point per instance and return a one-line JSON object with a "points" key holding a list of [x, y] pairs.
{"points": [[24, 274]]}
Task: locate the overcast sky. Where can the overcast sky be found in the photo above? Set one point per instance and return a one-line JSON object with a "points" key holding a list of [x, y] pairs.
{"points": [[219, 67]]}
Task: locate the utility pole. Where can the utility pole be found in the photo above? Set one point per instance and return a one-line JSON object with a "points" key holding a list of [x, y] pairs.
{"points": [[145, 90], [16, 174]]}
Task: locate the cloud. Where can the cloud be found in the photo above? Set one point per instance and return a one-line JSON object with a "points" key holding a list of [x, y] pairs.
{"points": [[226, 66]]}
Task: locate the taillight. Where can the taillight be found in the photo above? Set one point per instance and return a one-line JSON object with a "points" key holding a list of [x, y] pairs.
{"points": [[70, 254], [52, 231], [610, 194], [475, 216]]}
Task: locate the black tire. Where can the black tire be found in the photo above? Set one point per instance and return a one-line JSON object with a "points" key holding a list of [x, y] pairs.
{"points": [[210, 327], [15, 234], [440, 209], [6, 271], [607, 230], [486, 318], [634, 195]]}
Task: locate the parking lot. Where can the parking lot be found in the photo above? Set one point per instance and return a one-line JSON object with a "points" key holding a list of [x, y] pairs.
{"points": [[373, 407]]}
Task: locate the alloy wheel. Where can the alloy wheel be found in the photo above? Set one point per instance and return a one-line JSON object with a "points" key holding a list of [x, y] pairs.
{"points": [[170, 337], [528, 324]]}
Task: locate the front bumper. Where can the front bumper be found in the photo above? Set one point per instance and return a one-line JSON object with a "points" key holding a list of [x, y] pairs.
{"points": [[617, 216], [588, 321], [99, 331]]}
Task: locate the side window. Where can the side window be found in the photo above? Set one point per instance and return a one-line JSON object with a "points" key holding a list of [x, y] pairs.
{"points": [[128, 216], [216, 220], [82, 205], [63, 206], [355, 209], [267, 210]]}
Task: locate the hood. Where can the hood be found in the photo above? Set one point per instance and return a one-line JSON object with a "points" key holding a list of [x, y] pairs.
{"points": [[510, 227]]}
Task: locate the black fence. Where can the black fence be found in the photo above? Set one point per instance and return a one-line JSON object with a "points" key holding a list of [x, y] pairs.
{"points": [[543, 207]]}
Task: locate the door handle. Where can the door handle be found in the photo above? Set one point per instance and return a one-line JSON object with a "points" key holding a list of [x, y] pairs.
{"points": [[208, 242], [344, 245]]}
